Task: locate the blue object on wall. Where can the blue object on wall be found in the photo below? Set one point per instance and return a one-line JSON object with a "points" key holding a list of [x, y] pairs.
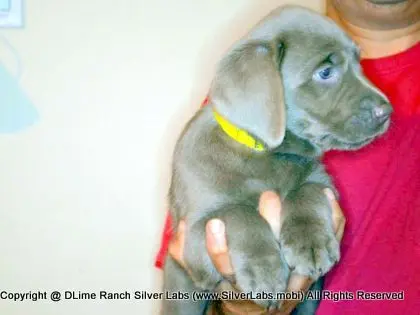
{"points": [[16, 110]]}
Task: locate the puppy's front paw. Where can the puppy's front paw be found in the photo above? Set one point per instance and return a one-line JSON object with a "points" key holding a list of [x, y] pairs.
{"points": [[308, 251], [204, 276], [263, 277]]}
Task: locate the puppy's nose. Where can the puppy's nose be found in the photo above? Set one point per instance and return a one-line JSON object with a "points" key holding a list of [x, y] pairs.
{"points": [[378, 109], [381, 113]]}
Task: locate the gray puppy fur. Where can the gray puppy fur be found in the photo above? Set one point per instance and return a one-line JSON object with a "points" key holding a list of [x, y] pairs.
{"points": [[294, 83]]}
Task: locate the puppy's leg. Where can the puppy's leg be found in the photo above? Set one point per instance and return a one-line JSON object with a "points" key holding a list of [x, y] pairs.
{"points": [[307, 236], [178, 290], [255, 254]]}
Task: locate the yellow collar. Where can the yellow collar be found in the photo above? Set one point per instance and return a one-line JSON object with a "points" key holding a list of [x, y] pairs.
{"points": [[238, 134]]}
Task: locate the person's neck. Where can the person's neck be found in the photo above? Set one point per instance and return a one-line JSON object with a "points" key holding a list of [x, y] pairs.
{"points": [[378, 43]]}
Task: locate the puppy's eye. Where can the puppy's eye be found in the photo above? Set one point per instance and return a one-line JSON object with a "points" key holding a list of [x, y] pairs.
{"points": [[326, 73]]}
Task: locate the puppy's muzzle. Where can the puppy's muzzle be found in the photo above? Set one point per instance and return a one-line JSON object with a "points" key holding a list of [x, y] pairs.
{"points": [[376, 110]]}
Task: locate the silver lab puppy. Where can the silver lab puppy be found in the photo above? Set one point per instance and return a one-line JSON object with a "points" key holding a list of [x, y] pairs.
{"points": [[294, 85]]}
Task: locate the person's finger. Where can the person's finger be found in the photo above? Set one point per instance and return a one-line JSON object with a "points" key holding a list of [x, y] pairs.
{"points": [[176, 245], [338, 218], [340, 231], [270, 209], [287, 307], [217, 247], [296, 283]]}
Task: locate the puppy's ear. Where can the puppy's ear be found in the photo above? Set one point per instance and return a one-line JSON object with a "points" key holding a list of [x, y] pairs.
{"points": [[248, 90]]}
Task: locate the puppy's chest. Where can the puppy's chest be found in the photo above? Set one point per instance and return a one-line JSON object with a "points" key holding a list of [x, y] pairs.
{"points": [[278, 174]]}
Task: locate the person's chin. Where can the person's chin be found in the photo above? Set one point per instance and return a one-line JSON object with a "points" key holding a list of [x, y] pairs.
{"points": [[386, 2]]}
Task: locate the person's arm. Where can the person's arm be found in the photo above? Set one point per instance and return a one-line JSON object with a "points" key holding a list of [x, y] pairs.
{"points": [[217, 247]]}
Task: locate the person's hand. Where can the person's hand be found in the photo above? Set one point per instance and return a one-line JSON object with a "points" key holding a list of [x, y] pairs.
{"points": [[270, 209]]}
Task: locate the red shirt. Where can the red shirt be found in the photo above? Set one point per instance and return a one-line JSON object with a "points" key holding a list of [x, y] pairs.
{"points": [[379, 189], [380, 196]]}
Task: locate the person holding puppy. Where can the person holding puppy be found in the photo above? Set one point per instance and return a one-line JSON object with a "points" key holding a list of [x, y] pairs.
{"points": [[379, 185]]}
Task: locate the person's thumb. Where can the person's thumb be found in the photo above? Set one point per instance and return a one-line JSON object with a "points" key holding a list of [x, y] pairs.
{"points": [[270, 209]]}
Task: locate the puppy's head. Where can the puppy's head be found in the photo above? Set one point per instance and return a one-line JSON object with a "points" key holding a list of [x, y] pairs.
{"points": [[297, 70]]}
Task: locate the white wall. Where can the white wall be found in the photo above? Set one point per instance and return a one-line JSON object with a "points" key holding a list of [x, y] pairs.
{"points": [[82, 192]]}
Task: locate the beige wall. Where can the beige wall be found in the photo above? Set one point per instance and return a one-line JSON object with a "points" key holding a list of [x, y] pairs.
{"points": [[82, 192]]}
